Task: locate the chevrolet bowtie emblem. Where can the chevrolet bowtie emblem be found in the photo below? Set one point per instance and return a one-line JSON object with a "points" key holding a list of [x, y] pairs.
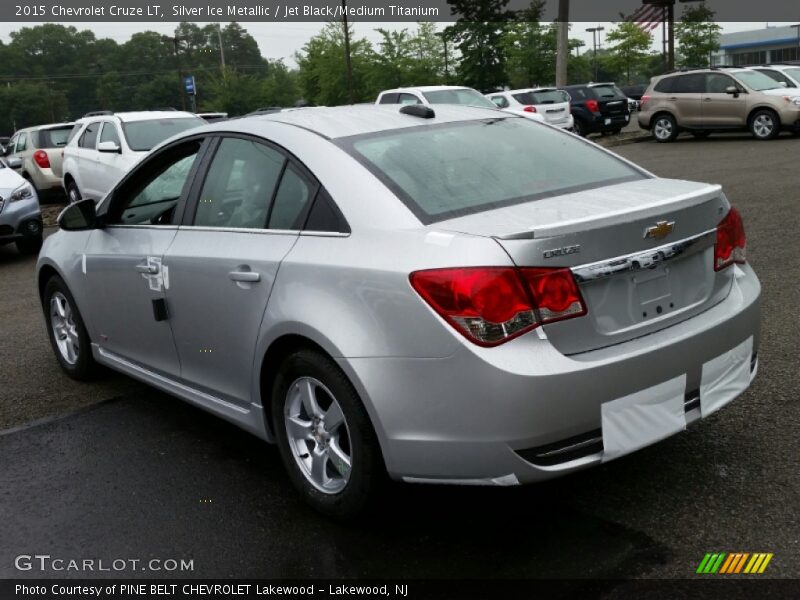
{"points": [[659, 230]]}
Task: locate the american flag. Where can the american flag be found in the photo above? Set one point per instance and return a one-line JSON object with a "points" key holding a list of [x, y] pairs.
{"points": [[648, 17]]}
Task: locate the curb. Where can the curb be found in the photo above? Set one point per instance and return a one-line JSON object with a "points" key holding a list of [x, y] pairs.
{"points": [[634, 139]]}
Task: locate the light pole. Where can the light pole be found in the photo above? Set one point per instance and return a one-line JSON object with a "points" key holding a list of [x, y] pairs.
{"points": [[221, 48], [797, 27], [595, 31]]}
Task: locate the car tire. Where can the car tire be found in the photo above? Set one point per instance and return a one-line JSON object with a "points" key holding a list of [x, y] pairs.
{"points": [[764, 125], [73, 193], [307, 390], [29, 246], [701, 134], [665, 128], [66, 331], [616, 132], [579, 128]]}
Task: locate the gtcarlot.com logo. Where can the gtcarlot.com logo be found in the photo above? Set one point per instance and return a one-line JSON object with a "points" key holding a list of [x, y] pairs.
{"points": [[45, 562], [731, 563]]}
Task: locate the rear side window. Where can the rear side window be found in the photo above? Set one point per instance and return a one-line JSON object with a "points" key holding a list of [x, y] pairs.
{"points": [[54, 138], [444, 171], [295, 193], [89, 137], [325, 215], [665, 86], [690, 84]]}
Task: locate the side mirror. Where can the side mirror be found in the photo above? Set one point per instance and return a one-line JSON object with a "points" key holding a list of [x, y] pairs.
{"points": [[79, 216], [783, 84], [111, 147], [732, 90], [14, 163]]}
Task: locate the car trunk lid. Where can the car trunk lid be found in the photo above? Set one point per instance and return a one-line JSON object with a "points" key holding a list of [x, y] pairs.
{"points": [[642, 253], [610, 99]]}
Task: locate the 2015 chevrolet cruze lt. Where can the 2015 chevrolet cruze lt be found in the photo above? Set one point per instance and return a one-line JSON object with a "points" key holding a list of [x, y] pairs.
{"points": [[455, 295]]}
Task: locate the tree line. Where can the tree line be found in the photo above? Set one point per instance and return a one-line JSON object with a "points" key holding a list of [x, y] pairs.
{"points": [[52, 72]]}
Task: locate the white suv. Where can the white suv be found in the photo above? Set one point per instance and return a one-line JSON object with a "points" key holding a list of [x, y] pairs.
{"points": [[551, 103], [103, 146], [786, 75], [442, 94]]}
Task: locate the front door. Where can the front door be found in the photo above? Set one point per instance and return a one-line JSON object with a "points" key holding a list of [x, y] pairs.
{"points": [[224, 261], [719, 108], [125, 276]]}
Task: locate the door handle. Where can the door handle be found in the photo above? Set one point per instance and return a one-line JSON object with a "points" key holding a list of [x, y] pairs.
{"points": [[147, 269], [673, 98], [245, 276], [707, 99]]}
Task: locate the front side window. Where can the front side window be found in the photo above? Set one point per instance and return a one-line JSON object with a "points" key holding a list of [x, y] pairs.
{"points": [[717, 83], [22, 142], [89, 136], [143, 136], [465, 96], [500, 101], [390, 98], [408, 99], [444, 171], [109, 133], [240, 184], [151, 194]]}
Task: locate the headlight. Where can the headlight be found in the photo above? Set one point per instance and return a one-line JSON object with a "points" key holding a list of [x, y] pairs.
{"points": [[23, 192], [793, 99]]}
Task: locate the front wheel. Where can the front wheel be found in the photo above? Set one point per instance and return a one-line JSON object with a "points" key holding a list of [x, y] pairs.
{"points": [[665, 129], [67, 332], [73, 193], [764, 125], [324, 435]]}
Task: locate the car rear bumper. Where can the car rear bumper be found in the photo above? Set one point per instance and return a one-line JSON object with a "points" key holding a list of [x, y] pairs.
{"points": [[524, 412]]}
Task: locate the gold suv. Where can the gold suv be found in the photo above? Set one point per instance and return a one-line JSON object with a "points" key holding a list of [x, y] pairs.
{"points": [[704, 101]]}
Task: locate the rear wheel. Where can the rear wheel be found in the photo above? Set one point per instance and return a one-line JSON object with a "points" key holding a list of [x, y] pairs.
{"points": [[665, 129], [73, 193], [325, 437], [764, 125], [579, 127], [67, 332]]}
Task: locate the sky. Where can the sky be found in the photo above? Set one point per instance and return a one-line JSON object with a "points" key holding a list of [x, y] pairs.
{"points": [[282, 40]]}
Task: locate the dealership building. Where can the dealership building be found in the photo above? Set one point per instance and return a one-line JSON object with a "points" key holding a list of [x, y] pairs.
{"points": [[758, 46]]}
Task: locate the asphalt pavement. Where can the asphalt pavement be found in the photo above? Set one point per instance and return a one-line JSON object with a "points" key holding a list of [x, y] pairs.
{"points": [[117, 469]]}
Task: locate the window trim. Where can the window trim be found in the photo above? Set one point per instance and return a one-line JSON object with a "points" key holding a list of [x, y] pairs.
{"points": [[111, 200], [99, 123], [113, 125]]}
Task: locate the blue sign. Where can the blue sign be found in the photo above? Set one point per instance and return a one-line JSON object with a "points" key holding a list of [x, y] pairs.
{"points": [[188, 84]]}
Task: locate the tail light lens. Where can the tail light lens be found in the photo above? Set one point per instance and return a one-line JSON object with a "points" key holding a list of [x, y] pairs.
{"points": [[643, 101], [530, 109], [731, 243], [593, 105], [40, 158], [492, 305]]}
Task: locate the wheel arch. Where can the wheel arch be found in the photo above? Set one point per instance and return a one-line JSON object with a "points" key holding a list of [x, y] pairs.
{"points": [[761, 107]]}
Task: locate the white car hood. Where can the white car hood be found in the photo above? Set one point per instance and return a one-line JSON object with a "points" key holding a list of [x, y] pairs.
{"points": [[790, 92], [9, 181]]}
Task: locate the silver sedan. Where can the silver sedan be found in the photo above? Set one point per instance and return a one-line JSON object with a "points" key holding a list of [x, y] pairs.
{"points": [[438, 294]]}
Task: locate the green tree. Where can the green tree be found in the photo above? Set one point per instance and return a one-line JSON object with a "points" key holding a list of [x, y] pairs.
{"points": [[629, 49], [697, 35], [530, 50]]}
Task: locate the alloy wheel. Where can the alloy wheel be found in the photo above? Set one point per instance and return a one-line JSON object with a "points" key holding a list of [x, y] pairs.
{"points": [[663, 129], [763, 125], [65, 332], [318, 435]]}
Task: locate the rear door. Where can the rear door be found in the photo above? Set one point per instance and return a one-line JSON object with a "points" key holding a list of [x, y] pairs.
{"points": [[685, 99], [86, 166], [720, 109], [225, 258]]}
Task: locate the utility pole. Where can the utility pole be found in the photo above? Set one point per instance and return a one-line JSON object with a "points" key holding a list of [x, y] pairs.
{"points": [[175, 40], [221, 48], [347, 53], [443, 35], [562, 50], [595, 31], [671, 22], [797, 27]]}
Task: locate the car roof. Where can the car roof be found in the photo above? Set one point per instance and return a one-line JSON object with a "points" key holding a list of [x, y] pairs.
{"points": [[344, 121], [141, 115], [426, 88], [44, 127]]}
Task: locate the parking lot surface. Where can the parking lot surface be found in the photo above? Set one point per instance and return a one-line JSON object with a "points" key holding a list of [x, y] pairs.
{"points": [[135, 473]]}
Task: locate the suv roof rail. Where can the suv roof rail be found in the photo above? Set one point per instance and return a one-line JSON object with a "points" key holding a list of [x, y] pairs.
{"points": [[164, 108], [99, 113]]}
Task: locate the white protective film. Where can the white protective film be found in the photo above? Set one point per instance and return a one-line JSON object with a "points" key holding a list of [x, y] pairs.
{"points": [[642, 418], [725, 377]]}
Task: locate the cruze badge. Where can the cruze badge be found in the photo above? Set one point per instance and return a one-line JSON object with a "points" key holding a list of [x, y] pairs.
{"points": [[660, 230], [562, 251]]}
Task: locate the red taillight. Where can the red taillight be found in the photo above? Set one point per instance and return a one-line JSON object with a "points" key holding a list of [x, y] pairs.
{"points": [[491, 305], [530, 109], [731, 242], [643, 101], [593, 105], [41, 159]]}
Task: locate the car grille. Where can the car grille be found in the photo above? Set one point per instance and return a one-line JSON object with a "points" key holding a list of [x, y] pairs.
{"points": [[565, 450]]}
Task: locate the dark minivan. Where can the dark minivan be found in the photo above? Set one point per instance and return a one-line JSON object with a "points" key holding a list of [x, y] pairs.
{"points": [[598, 108]]}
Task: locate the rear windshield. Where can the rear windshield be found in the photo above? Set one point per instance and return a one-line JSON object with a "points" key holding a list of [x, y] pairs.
{"points": [[454, 169], [54, 138], [542, 97], [463, 96], [607, 92], [144, 135]]}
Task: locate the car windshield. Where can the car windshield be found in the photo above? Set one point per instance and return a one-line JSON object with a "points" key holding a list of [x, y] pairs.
{"points": [[145, 135], [453, 169], [757, 81], [464, 96], [54, 138], [794, 73], [542, 97]]}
